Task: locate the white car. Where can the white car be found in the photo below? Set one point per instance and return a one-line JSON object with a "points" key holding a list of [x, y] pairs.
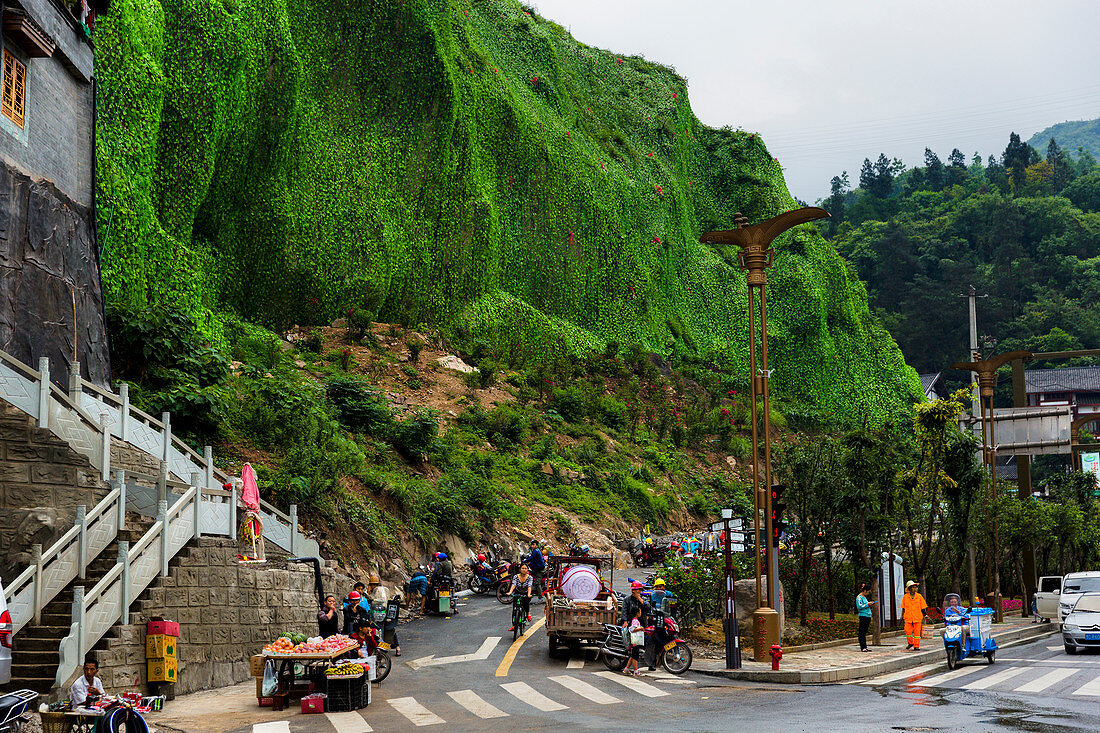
{"points": [[5, 638], [1081, 629], [1073, 585]]}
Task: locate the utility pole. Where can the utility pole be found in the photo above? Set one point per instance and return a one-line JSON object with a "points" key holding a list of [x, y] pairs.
{"points": [[975, 410]]}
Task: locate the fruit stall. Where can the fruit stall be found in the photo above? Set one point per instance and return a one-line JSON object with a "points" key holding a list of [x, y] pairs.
{"points": [[326, 674]]}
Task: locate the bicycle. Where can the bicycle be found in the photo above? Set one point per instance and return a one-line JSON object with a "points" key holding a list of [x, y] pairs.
{"points": [[519, 616]]}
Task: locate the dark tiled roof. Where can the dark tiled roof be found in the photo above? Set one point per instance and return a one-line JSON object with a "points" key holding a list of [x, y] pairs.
{"points": [[1071, 379], [927, 380]]}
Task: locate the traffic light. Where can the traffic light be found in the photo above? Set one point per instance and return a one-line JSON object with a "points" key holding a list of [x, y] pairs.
{"points": [[778, 505]]}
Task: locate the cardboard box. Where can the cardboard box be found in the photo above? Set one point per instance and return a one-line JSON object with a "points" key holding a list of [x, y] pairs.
{"points": [[162, 670], [161, 646], [257, 662], [161, 626]]}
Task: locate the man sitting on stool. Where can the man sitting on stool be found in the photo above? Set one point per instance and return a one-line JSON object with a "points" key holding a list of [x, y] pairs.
{"points": [[88, 688]]}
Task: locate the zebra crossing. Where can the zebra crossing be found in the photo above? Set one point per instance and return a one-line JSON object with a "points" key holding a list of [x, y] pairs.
{"points": [[559, 692], [1056, 676]]}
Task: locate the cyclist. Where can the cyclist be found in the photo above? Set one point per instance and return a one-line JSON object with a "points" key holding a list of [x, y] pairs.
{"points": [[523, 582]]}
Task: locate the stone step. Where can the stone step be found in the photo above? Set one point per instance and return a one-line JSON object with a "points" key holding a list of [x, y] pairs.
{"points": [[41, 685], [37, 642], [34, 656]]}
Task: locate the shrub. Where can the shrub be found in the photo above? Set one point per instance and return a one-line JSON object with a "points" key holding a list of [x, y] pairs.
{"points": [[360, 321], [251, 344], [313, 342], [487, 373], [359, 407], [611, 412], [414, 346], [415, 437], [569, 403], [506, 426]]}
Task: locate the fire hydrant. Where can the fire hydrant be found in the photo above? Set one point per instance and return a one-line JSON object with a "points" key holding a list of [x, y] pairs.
{"points": [[777, 654]]}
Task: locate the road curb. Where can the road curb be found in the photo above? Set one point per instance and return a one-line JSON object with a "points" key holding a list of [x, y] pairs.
{"points": [[872, 669]]}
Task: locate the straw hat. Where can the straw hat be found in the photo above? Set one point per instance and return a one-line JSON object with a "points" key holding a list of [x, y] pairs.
{"points": [[911, 582]]}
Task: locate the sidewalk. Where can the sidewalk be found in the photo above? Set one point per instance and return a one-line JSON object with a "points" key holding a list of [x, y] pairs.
{"points": [[823, 664]]}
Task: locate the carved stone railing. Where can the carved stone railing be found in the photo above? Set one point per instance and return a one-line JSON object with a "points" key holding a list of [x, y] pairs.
{"points": [[67, 559], [87, 416]]}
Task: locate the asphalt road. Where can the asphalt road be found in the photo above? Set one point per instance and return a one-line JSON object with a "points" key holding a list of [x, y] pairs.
{"points": [[1030, 687]]}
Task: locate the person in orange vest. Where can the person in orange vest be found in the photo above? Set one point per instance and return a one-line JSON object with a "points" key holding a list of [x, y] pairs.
{"points": [[912, 612]]}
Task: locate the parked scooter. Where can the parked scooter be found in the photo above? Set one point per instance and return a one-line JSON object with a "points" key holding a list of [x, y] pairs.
{"points": [[15, 709], [441, 597], [376, 647], [482, 579], [576, 548], [648, 555], [673, 653]]}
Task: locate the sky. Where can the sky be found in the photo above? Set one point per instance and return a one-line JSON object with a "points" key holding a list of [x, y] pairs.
{"points": [[828, 84]]}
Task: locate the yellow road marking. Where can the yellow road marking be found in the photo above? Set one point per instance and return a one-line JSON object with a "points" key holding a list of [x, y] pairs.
{"points": [[510, 656]]}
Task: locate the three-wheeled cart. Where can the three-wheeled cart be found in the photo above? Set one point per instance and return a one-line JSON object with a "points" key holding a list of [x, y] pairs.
{"points": [[571, 622]]}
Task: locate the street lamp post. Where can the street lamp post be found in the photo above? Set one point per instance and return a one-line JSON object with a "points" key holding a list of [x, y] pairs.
{"points": [[733, 633], [986, 369], [756, 255]]}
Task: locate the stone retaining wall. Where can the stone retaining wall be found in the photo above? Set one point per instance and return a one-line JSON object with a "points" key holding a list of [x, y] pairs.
{"points": [[42, 481], [226, 611]]}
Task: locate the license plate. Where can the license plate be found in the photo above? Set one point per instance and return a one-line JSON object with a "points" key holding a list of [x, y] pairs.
{"points": [[1092, 637], [384, 646], [670, 646], [444, 593]]}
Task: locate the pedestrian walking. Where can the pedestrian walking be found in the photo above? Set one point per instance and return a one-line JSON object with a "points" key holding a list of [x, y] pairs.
{"points": [[912, 612], [863, 610]]}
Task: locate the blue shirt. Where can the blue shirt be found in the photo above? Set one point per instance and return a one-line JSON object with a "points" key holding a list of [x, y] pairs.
{"points": [[863, 606], [535, 561]]}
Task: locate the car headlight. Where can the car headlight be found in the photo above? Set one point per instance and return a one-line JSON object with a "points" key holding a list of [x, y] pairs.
{"points": [[1072, 628]]}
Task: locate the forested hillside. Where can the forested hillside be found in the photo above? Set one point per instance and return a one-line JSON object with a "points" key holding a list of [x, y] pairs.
{"points": [[1070, 135], [463, 165], [1022, 227]]}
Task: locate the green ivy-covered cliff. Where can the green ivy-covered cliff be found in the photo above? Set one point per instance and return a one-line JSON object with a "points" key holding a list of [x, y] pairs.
{"points": [[454, 162]]}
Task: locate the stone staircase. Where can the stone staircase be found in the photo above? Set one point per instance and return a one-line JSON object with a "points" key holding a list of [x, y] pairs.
{"points": [[35, 653]]}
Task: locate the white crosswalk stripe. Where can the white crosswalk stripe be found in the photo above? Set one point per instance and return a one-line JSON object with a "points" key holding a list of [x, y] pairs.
{"points": [[894, 677], [575, 663], [994, 679], [525, 693], [633, 683], [276, 726], [348, 723], [947, 676], [416, 713], [585, 690], [473, 702], [1041, 683], [1092, 687]]}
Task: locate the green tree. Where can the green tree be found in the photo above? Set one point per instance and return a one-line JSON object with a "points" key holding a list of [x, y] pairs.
{"points": [[934, 173], [1017, 156]]}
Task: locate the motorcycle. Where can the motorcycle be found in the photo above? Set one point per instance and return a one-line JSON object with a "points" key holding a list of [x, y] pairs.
{"points": [[673, 653], [576, 548], [965, 636], [15, 709], [482, 581], [438, 595], [373, 645], [648, 555]]}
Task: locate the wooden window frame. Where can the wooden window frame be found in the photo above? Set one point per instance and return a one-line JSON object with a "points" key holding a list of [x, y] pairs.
{"points": [[13, 101]]}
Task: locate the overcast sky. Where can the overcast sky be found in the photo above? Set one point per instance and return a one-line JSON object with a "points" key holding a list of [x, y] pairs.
{"points": [[828, 84]]}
